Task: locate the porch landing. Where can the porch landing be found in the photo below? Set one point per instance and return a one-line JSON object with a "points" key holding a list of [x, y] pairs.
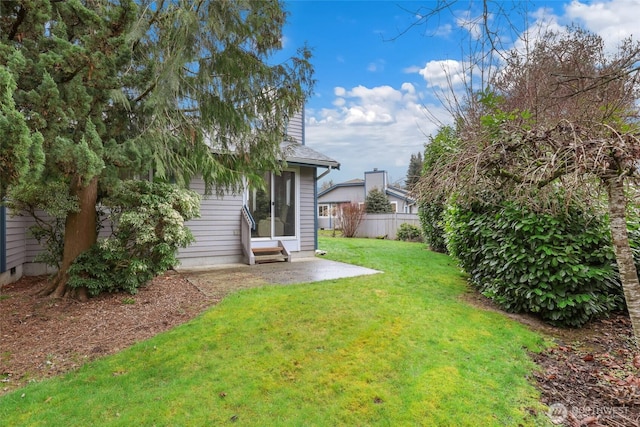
{"points": [[218, 281]]}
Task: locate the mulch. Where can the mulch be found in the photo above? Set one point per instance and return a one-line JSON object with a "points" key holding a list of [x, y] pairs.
{"points": [[593, 379], [41, 337]]}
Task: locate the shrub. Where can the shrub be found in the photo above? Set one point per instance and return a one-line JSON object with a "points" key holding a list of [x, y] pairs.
{"points": [[350, 216], [561, 267], [432, 222], [149, 228], [409, 233]]}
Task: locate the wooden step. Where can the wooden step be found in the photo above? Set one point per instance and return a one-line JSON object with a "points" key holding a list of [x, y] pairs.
{"points": [[259, 259], [269, 254], [266, 251]]}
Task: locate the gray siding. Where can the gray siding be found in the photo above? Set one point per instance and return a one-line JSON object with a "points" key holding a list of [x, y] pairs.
{"points": [[217, 231], [16, 241], [375, 179], [400, 203], [295, 128], [307, 210], [33, 248], [343, 194]]}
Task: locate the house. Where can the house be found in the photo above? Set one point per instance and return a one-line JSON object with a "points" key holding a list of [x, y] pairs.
{"points": [[356, 190], [232, 228]]}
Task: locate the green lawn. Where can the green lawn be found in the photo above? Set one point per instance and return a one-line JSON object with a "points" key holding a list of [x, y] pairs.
{"points": [[396, 349]]}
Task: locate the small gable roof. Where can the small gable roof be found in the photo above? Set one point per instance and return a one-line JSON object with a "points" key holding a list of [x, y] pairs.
{"points": [[302, 155], [401, 193]]}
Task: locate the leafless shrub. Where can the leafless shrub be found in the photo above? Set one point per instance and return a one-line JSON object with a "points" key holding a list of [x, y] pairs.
{"points": [[350, 216]]}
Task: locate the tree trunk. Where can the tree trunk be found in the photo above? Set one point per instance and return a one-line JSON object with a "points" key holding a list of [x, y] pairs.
{"points": [[79, 235], [622, 249]]}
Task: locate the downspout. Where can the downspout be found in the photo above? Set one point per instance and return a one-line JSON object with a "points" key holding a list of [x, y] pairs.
{"points": [[3, 239], [315, 208], [323, 174], [315, 204]]}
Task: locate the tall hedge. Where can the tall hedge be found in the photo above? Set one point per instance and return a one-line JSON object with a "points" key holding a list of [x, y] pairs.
{"points": [[432, 222], [560, 266]]}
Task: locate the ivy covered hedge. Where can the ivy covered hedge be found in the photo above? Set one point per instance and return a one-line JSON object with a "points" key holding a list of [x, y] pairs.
{"points": [[561, 266], [431, 220]]}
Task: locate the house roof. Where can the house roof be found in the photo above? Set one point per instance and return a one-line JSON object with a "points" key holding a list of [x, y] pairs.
{"points": [[351, 183], [400, 193], [356, 181], [397, 192], [302, 155]]}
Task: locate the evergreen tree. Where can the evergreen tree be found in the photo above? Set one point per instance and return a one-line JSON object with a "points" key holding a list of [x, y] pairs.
{"points": [[414, 171], [108, 89], [377, 202]]}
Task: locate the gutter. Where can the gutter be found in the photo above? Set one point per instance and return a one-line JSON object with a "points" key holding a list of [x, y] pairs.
{"points": [[323, 174]]}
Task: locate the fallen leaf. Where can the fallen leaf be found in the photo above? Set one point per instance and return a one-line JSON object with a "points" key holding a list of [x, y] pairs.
{"points": [[588, 420]]}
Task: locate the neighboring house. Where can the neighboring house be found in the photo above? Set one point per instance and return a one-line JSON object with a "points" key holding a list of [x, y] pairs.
{"points": [[355, 191], [232, 228]]}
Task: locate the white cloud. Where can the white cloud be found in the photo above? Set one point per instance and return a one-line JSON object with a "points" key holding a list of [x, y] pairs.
{"points": [[376, 66], [613, 20], [444, 30], [443, 74], [286, 42], [408, 87], [372, 127], [473, 24]]}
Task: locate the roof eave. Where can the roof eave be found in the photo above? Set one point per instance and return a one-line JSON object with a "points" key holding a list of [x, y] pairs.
{"points": [[312, 163]]}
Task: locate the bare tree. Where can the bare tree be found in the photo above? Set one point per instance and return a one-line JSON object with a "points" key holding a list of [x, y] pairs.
{"points": [[562, 114], [326, 185]]}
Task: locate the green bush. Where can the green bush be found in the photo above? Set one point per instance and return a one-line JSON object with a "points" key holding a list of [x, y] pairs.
{"points": [[149, 228], [432, 222], [409, 233], [561, 267]]}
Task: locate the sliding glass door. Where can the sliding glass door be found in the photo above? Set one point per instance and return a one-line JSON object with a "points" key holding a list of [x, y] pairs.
{"points": [[274, 208]]}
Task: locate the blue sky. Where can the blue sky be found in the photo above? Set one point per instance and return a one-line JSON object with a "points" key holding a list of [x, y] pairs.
{"points": [[377, 76]]}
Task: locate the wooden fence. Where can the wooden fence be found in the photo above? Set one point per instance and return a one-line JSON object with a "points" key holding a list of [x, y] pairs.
{"points": [[385, 225]]}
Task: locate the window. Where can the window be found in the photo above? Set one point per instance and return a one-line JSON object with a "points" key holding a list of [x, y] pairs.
{"points": [[323, 210], [394, 207]]}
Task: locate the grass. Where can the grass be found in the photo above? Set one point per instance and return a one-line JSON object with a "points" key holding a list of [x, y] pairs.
{"points": [[398, 348]]}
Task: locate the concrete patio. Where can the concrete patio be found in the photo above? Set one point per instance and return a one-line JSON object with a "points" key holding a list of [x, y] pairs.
{"points": [[218, 281]]}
